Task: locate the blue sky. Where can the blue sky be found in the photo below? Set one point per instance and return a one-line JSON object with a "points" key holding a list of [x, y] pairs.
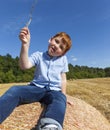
{"points": [[86, 21]]}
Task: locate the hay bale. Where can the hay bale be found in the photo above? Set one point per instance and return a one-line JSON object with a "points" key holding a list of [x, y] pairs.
{"points": [[79, 116]]}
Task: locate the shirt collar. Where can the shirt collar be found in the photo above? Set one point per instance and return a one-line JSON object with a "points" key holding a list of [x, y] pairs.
{"points": [[48, 57]]}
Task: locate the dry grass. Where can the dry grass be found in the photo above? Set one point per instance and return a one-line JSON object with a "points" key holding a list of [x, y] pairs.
{"points": [[94, 91]]}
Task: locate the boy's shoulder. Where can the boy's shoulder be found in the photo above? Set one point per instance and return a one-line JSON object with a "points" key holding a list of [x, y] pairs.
{"points": [[64, 57], [37, 54]]}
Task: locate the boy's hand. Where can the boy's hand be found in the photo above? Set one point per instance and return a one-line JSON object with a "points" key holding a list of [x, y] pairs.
{"points": [[24, 35], [69, 100]]}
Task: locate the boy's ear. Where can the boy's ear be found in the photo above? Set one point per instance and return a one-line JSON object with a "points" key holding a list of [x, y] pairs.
{"points": [[50, 40]]}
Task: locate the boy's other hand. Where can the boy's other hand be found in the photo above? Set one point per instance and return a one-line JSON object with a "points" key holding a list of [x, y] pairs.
{"points": [[69, 100]]}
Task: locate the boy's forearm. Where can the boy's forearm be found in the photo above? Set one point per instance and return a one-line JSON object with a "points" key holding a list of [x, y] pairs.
{"points": [[64, 82], [63, 90], [23, 60], [25, 40]]}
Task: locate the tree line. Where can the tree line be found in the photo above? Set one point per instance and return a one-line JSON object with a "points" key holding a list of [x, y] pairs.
{"points": [[10, 71]]}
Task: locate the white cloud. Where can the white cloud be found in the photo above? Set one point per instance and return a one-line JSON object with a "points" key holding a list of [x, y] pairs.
{"points": [[10, 27], [73, 58], [13, 24]]}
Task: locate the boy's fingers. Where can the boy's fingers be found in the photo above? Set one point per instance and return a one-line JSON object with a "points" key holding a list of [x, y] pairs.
{"points": [[25, 30], [70, 103]]}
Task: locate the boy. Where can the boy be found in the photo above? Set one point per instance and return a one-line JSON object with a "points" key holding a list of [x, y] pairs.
{"points": [[48, 85]]}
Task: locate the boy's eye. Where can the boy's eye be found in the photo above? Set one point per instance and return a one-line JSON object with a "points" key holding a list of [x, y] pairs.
{"points": [[57, 41], [62, 48]]}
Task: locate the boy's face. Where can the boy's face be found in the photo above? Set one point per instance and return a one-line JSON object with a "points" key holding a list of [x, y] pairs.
{"points": [[56, 47]]}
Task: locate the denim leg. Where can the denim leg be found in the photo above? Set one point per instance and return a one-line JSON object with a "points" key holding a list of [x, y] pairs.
{"points": [[17, 95], [44, 122], [56, 106]]}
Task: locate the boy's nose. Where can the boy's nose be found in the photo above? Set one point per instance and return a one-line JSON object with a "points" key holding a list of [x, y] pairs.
{"points": [[56, 46]]}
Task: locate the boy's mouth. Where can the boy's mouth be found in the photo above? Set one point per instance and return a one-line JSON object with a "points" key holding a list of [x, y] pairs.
{"points": [[53, 49]]}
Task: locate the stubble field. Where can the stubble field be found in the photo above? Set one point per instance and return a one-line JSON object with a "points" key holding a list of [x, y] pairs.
{"points": [[94, 91]]}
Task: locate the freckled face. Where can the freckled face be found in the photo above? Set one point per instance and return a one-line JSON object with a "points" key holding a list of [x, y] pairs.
{"points": [[56, 47]]}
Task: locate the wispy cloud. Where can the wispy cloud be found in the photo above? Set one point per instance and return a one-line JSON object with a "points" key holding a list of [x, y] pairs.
{"points": [[8, 27], [73, 58], [13, 24]]}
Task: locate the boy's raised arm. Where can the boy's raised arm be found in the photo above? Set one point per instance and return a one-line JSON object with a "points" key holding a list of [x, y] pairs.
{"points": [[25, 40]]}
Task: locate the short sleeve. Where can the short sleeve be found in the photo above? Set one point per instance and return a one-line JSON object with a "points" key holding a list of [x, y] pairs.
{"points": [[34, 58], [65, 64]]}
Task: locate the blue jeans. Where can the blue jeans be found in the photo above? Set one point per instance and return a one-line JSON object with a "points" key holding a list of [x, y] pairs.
{"points": [[17, 95]]}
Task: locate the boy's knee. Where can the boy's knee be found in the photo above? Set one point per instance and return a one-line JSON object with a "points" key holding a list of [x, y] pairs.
{"points": [[14, 90], [48, 123]]}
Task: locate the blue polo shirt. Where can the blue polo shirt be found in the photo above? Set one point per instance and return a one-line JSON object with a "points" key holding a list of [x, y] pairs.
{"points": [[48, 70]]}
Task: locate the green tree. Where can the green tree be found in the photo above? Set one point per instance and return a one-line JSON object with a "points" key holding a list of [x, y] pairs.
{"points": [[9, 77], [107, 72]]}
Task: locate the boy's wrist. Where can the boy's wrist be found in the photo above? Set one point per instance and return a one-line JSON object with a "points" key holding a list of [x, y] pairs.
{"points": [[25, 43]]}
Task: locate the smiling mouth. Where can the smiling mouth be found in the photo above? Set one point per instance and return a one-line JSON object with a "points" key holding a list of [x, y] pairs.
{"points": [[53, 49]]}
